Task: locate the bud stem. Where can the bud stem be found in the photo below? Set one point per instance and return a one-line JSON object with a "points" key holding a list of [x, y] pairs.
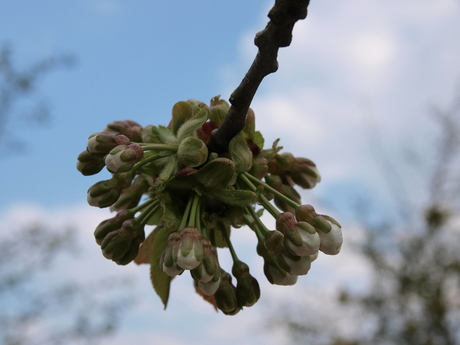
{"points": [[271, 190], [144, 217], [144, 161], [265, 203], [230, 245], [159, 147], [263, 231], [185, 217]]}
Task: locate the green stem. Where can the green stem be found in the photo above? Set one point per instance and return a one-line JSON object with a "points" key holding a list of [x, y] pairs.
{"points": [[260, 226], [230, 245], [263, 200], [147, 160], [144, 217], [186, 214], [160, 147], [272, 190], [193, 212], [136, 209], [253, 227]]}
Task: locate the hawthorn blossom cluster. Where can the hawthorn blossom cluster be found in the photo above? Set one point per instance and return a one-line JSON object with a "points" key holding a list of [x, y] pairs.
{"points": [[166, 177]]}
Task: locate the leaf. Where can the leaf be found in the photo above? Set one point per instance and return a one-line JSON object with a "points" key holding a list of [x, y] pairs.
{"points": [[143, 257], [164, 134], [189, 127], [240, 153], [161, 281], [149, 135], [218, 173], [181, 112], [168, 169], [259, 139], [235, 196]]}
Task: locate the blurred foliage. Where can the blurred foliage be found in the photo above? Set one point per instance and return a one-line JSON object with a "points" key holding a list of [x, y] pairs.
{"points": [[43, 301], [20, 86], [413, 297]]}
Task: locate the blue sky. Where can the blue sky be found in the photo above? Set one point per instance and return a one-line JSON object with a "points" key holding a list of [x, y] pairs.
{"points": [[357, 81]]}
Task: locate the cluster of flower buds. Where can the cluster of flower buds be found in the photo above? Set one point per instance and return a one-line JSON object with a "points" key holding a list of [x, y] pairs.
{"points": [[166, 177]]}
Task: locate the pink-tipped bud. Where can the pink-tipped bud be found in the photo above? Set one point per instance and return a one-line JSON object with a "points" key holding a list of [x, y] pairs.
{"points": [[103, 143], [331, 242], [188, 251], [123, 157], [167, 263], [278, 276]]}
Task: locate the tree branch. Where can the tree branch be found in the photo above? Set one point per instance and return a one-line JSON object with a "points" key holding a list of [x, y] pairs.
{"points": [[277, 34]]}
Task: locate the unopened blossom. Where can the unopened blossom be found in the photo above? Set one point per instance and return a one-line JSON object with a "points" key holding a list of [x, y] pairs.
{"points": [[278, 276], [331, 242], [188, 251], [123, 157]]}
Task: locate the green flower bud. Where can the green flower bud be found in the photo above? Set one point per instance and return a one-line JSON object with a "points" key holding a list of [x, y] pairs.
{"points": [[192, 152], [129, 128], [305, 174], [103, 143], [331, 242], [259, 168], [250, 125], [209, 267], [122, 245], [131, 195], [306, 213], [188, 251], [225, 295], [218, 109], [106, 193], [111, 224], [278, 276], [209, 288], [123, 157], [300, 237], [89, 164], [297, 265], [167, 262], [285, 161], [247, 287]]}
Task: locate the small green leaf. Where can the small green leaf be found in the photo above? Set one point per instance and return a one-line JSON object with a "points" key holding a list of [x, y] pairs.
{"points": [[161, 281], [240, 153], [189, 127], [235, 196], [181, 112], [250, 125], [164, 134], [168, 169], [219, 108], [149, 135], [259, 139], [217, 174]]}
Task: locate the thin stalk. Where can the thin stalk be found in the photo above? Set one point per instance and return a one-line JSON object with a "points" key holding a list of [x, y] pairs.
{"points": [[159, 147], [272, 190], [261, 226], [147, 160], [186, 214], [263, 200], [144, 217], [230, 246]]}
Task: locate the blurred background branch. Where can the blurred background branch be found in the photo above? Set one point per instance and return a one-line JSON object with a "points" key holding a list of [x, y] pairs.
{"points": [[18, 105]]}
